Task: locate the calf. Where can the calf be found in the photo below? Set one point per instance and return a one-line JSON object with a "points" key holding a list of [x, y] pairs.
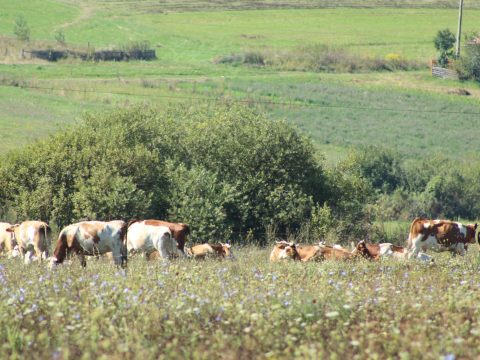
{"points": [[92, 238], [32, 238], [210, 250], [440, 235], [150, 239]]}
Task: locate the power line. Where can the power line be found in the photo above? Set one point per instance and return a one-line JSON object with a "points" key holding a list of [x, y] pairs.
{"points": [[250, 100]]}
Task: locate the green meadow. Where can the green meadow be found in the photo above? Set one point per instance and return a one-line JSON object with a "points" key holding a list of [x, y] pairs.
{"points": [[248, 308]]}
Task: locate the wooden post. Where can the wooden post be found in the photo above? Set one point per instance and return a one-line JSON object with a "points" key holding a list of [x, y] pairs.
{"points": [[459, 30]]}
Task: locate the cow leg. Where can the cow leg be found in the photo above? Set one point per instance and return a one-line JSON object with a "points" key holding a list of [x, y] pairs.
{"points": [[459, 249], [83, 260], [416, 247]]}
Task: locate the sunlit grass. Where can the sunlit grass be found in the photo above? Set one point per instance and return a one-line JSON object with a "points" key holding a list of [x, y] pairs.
{"points": [[242, 309]]}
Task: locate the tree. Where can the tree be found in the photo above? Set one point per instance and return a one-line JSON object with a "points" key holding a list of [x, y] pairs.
{"points": [[21, 29], [444, 42], [469, 64]]}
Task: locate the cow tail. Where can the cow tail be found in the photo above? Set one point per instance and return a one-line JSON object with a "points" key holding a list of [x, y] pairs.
{"points": [[410, 232], [124, 251], [47, 231]]}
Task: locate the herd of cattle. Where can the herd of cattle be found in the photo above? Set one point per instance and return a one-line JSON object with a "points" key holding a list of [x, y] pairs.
{"points": [[161, 239]]}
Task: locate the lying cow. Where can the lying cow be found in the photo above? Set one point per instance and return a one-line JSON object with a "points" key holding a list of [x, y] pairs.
{"points": [[202, 251], [440, 235], [388, 250], [284, 250], [7, 241], [304, 253], [32, 238], [179, 231], [150, 239], [92, 238]]}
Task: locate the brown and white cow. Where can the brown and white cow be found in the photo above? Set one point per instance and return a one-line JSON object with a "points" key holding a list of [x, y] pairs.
{"points": [[32, 239], [92, 238], [202, 251], [152, 238], [304, 253], [440, 235], [388, 250], [7, 240], [179, 231], [284, 250]]}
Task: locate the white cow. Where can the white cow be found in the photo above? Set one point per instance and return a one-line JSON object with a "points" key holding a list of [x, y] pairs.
{"points": [[92, 238], [32, 238], [150, 238]]}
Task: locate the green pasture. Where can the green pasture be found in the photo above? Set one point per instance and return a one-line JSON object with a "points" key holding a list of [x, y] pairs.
{"points": [[406, 110], [248, 308]]}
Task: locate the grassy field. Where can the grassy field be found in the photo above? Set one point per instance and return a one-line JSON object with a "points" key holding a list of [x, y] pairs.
{"points": [[336, 110], [241, 309]]}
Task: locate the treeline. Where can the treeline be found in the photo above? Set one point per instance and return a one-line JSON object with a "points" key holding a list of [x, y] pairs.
{"points": [[229, 172]]}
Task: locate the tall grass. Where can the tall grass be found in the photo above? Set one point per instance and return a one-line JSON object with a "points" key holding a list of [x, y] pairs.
{"points": [[320, 58], [242, 309]]}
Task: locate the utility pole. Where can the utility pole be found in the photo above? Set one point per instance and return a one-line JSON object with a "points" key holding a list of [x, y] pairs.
{"points": [[459, 30]]}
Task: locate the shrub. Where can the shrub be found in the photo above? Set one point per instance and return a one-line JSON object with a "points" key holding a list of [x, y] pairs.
{"points": [[60, 37], [444, 42], [224, 169], [379, 165], [468, 65], [21, 29], [318, 58]]}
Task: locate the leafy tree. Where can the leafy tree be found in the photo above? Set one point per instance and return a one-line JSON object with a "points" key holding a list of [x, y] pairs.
{"points": [[379, 165], [21, 29], [444, 42]]}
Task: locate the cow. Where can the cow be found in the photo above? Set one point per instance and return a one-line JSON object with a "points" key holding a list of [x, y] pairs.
{"points": [[388, 250], [32, 238], [92, 238], [179, 231], [284, 250], [7, 240], [152, 238], [305, 253], [202, 251], [440, 235]]}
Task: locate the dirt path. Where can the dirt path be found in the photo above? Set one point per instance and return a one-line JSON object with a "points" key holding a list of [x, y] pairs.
{"points": [[86, 12]]}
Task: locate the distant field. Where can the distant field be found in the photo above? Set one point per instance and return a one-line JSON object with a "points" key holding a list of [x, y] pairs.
{"points": [[336, 110]]}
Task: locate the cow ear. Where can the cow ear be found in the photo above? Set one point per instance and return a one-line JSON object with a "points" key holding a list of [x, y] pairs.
{"points": [[10, 229]]}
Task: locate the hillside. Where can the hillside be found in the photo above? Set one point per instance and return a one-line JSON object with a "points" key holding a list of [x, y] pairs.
{"points": [[337, 110]]}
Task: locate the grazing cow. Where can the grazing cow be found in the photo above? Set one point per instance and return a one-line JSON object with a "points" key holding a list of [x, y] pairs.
{"points": [[92, 238], [440, 235], [210, 250], [32, 238], [7, 241], [152, 238], [284, 250], [384, 250], [179, 231]]}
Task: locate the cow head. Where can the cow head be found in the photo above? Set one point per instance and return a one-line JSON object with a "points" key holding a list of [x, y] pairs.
{"points": [[287, 250], [12, 230], [472, 235], [226, 251], [362, 250]]}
